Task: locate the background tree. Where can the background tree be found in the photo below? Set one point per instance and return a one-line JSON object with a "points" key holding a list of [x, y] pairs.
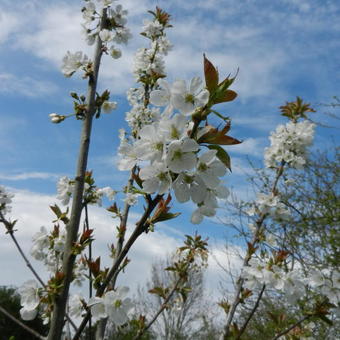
{"points": [[190, 318], [311, 233]]}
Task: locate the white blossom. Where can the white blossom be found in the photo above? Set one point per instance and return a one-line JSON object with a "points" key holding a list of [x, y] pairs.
{"points": [[107, 106], [156, 178], [162, 44], [88, 12], [151, 145], [210, 169], [65, 189], [106, 35], [29, 299], [115, 53], [181, 155], [122, 35], [131, 198], [289, 144], [162, 96], [41, 243], [152, 29], [119, 15], [105, 3], [114, 305], [76, 307], [72, 62], [5, 200], [187, 100]]}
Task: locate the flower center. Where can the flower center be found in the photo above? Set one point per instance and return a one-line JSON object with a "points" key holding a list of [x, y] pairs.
{"points": [[189, 98], [202, 167], [177, 154], [174, 132]]}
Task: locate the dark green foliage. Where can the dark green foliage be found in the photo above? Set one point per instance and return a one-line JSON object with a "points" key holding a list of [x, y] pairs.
{"points": [[10, 300]]}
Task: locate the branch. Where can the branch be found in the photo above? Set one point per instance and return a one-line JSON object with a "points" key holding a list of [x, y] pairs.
{"points": [[141, 227], [72, 227], [306, 317], [21, 324], [243, 328]]}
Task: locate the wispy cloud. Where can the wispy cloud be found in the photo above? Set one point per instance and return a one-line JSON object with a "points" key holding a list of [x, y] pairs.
{"points": [[11, 84], [28, 175], [233, 34]]}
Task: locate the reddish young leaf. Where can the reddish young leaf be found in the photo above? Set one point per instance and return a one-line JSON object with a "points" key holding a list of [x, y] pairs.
{"points": [[210, 74]]}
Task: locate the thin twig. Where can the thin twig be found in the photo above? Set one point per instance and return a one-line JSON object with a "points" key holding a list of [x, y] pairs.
{"points": [[306, 317], [87, 227], [161, 309], [243, 328], [21, 324]]}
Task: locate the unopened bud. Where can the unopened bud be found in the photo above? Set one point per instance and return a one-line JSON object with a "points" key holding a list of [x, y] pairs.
{"points": [[56, 119]]}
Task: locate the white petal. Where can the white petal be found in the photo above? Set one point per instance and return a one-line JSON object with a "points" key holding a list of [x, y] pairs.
{"points": [[28, 314], [207, 156], [190, 145], [198, 193], [202, 98], [159, 97], [179, 86], [196, 217], [195, 85]]}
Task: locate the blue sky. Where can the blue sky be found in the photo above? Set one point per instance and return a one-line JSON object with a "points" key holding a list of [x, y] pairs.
{"points": [[282, 48]]}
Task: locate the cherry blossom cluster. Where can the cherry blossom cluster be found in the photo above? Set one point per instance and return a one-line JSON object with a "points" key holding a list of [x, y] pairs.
{"points": [[92, 194], [270, 205], [148, 65], [326, 282], [174, 161], [114, 30], [5, 200], [289, 144], [260, 272], [292, 283], [114, 305], [48, 247], [162, 145]]}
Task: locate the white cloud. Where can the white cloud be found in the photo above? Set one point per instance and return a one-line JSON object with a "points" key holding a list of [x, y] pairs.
{"points": [[8, 24], [248, 42], [250, 146], [28, 175], [32, 211], [11, 84]]}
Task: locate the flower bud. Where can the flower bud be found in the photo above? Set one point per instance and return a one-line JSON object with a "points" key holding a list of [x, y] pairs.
{"points": [[56, 119]]}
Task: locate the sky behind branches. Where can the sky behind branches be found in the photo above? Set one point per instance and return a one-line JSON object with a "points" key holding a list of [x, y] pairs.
{"points": [[282, 49]]}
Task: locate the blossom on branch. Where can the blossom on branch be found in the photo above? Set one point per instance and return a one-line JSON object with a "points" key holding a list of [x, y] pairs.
{"points": [[29, 299]]}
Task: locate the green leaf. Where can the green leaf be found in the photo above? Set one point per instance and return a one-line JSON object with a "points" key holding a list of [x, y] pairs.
{"points": [[227, 96], [56, 210], [165, 216], [325, 319], [222, 155]]}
